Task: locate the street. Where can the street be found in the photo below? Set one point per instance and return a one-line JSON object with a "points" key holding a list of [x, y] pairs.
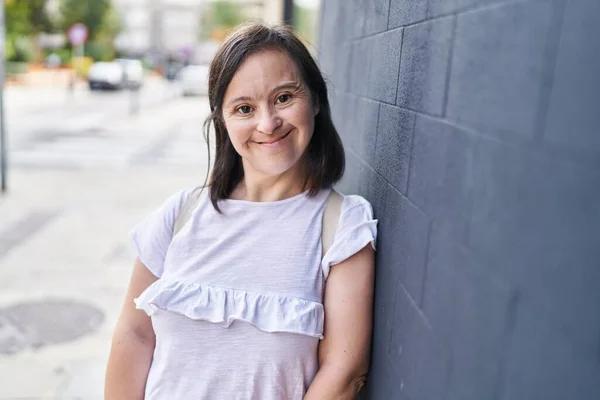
{"points": [[53, 128], [82, 172]]}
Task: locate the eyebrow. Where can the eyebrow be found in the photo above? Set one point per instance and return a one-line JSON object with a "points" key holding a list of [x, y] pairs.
{"points": [[286, 85]]}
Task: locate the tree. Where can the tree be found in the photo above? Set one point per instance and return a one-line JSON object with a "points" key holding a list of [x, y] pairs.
{"points": [[221, 18], [91, 13], [39, 19], [17, 17], [17, 46], [100, 18]]}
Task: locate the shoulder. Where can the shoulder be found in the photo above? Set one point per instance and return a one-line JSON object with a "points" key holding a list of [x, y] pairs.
{"points": [[355, 201], [356, 229], [177, 199], [355, 208]]}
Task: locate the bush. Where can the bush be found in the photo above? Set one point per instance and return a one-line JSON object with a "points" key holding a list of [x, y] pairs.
{"points": [[19, 49], [65, 55], [99, 51]]}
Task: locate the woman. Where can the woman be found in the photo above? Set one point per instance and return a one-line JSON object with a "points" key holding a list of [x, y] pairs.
{"points": [[241, 303]]}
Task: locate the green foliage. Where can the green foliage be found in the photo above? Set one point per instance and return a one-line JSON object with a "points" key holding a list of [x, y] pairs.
{"points": [[221, 17], [91, 13], [305, 23], [101, 19], [24, 49], [39, 19], [17, 14], [226, 14], [99, 51], [18, 47], [64, 54], [25, 17]]}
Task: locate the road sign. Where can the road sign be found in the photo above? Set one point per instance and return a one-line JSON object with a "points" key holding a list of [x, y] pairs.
{"points": [[77, 34]]}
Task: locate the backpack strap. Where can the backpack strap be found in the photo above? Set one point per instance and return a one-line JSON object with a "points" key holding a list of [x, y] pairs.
{"points": [[331, 215], [331, 219], [186, 210]]}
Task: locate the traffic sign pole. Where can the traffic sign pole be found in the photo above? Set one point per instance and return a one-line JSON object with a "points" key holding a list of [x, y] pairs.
{"points": [[77, 34]]}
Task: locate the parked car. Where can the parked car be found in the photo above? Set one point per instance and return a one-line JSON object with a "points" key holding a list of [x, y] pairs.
{"points": [[193, 80], [133, 72], [106, 75]]}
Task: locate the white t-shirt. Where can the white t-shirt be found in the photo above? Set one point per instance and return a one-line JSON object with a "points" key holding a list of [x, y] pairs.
{"points": [[238, 306]]}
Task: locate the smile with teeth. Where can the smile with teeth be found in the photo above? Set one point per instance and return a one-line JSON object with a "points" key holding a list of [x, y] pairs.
{"points": [[275, 141]]}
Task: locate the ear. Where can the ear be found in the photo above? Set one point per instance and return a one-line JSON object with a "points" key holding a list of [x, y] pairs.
{"points": [[316, 108]]}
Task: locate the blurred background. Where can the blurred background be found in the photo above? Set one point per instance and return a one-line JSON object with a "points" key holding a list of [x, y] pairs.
{"points": [[470, 125], [103, 106]]}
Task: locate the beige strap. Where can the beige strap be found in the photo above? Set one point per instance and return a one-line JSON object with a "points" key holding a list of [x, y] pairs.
{"points": [[331, 218], [186, 210], [331, 215]]}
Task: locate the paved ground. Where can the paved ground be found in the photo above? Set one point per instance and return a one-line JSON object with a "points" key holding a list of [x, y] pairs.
{"points": [[76, 188]]}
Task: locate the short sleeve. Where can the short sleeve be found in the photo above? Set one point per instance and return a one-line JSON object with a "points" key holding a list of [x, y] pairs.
{"points": [[356, 229], [152, 236]]}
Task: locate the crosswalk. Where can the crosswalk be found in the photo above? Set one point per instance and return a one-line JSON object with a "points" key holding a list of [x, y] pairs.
{"points": [[168, 136], [77, 152]]}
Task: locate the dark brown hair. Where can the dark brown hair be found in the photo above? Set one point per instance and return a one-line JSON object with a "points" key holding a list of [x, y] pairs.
{"points": [[324, 157]]}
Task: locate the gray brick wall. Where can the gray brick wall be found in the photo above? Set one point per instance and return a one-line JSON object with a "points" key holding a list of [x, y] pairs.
{"points": [[473, 127]]}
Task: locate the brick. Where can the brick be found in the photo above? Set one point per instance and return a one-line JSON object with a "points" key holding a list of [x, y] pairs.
{"points": [[440, 173], [440, 7], [536, 220], [394, 139], [367, 112], [361, 58], [423, 65], [335, 97], [376, 192], [376, 16], [384, 67], [573, 118], [497, 66], [341, 67], [364, 178], [402, 241], [347, 111], [404, 12], [542, 364], [328, 37], [418, 359], [386, 288], [354, 11], [349, 183], [468, 310]]}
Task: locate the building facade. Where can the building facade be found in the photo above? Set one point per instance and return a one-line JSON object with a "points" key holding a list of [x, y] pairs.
{"points": [[472, 126], [173, 26]]}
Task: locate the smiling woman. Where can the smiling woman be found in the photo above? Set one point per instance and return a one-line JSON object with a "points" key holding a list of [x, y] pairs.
{"points": [[263, 85], [269, 111], [250, 289]]}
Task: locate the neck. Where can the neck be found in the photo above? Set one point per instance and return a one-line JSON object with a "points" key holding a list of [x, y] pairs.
{"points": [[261, 188]]}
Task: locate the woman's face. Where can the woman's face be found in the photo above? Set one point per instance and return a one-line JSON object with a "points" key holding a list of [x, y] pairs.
{"points": [[269, 113]]}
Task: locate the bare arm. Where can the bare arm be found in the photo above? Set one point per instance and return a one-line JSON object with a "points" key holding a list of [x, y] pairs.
{"points": [[132, 343], [344, 353]]}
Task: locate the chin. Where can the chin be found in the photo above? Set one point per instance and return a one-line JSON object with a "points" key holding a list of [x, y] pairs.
{"points": [[276, 168]]}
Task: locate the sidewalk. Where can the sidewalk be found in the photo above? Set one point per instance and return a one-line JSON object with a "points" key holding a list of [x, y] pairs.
{"points": [[65, 261], [41, 77]]}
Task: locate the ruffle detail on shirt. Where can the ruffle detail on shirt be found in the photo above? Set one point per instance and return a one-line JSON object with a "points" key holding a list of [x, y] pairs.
{"points": [[222, 306]]}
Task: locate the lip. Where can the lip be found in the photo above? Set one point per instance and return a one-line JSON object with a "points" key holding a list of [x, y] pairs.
{"points": [[274, 142]]}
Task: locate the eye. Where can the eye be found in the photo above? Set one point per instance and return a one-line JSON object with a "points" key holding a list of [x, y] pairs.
{"points": [[244, 109], [284, 98]]}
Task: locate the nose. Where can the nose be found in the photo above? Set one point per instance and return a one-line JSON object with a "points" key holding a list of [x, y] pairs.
{"points": [[268, 122]]}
